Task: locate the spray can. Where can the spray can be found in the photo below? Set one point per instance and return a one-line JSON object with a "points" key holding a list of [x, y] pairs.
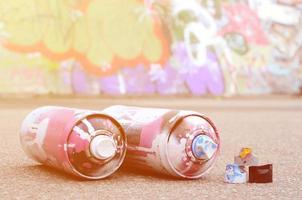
{"points": [[84, 143], [175, 142]]}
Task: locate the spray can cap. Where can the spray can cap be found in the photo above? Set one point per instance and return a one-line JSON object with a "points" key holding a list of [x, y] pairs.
{"points": [[103, 147], [203, 147]]}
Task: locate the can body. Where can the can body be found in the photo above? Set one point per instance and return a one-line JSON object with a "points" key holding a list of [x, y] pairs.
{"points": [[167, 140], [62, 138]]}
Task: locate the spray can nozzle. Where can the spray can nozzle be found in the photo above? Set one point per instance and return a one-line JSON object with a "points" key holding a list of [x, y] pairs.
{"points": [[103, 147]]}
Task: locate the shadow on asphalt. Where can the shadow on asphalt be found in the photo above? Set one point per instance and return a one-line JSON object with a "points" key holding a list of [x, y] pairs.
{"points": [[46, 172], [150, 174]]}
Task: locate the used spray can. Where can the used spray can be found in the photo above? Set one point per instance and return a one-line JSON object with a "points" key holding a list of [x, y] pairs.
{"points": [[183, 144], [84, 143]]}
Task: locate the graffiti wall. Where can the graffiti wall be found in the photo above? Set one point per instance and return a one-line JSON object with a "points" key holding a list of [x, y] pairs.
{"points": [[117, 47]]}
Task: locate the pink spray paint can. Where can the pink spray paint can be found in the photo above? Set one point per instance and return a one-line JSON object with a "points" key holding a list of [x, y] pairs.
{"points": [[84, 143], [178, 143]]}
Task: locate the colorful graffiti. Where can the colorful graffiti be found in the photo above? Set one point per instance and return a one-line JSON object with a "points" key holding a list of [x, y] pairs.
{"points": [[118, 47]]}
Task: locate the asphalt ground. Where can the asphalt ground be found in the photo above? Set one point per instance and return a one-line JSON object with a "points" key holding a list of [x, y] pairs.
{"points": [[272, 126]]}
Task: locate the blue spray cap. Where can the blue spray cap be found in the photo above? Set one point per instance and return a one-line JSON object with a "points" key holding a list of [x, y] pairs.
{"points": [[203, 147]]}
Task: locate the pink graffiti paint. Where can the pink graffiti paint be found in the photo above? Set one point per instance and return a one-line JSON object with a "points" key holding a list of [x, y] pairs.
{"points": [[179, 143], [245, 21], [84, 143]]}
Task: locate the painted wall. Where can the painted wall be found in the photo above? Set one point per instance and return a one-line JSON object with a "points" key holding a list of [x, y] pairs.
{"points": [[198, 47]]}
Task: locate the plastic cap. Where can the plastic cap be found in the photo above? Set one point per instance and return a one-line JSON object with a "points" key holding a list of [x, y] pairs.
{"points": [[102, 147], [203, 147]]}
